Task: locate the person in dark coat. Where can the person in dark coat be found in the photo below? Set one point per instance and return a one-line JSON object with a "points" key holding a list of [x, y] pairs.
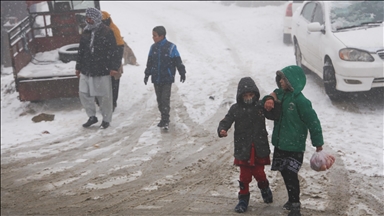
{"points": [[96, 63], [163, 59], [251, 147]]}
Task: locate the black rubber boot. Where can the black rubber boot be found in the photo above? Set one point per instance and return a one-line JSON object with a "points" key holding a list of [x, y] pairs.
{"points": [[295, 209], [166, 126], [287, 205], [161, 124], [266, 193], [242, 206], [92, 120]]}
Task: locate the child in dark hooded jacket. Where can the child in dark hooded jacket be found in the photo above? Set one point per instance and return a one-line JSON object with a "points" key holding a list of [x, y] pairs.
{"points": [[251, 147]]}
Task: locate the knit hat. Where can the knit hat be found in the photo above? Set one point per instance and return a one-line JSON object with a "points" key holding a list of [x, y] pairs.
{"points": [[94, 14]]}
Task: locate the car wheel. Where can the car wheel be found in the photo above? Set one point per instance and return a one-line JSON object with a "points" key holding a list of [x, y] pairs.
{"points": [[299, 58], [68, 52], [287, 39], [329, 79], [298, 55]]}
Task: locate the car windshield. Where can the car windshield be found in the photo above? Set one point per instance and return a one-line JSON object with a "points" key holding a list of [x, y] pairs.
{"points": [[351, 14]]}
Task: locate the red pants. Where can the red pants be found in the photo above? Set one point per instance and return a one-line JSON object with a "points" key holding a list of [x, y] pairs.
{"points": [[246, 173]]}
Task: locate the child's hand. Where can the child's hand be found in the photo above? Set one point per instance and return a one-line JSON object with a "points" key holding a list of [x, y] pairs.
{"points": [[319, 148], [113, 73], [223, 133], [269, 104]]}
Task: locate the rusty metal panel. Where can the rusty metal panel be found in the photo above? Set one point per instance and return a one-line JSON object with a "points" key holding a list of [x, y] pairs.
{"points": [[50, 88], [21, 60]]}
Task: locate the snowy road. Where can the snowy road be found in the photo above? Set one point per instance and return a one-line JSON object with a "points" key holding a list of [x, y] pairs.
{"points": [[133, 168]]}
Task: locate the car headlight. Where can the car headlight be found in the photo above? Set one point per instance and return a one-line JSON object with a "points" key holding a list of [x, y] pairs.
{"points": [[349, 54]]}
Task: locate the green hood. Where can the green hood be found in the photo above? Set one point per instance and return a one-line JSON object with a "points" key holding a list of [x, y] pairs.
{"points": [[295, 77], [298, 117]]}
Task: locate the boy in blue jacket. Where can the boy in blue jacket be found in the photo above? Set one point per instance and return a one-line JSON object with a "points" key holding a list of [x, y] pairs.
{"points": [[163, 59]]}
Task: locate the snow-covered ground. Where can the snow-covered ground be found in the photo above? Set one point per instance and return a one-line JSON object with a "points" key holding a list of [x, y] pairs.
{"points": [[219, 45]]}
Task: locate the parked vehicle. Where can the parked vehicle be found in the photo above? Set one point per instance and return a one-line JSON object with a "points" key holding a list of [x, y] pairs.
{"points": [[342, 42], [50, 25], [291, 7]]}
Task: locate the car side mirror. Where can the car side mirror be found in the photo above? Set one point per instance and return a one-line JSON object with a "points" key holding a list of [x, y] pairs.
{"points": [[315, 27]]}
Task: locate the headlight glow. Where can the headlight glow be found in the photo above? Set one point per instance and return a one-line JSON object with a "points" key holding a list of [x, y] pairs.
{"points": [[349, 54]]}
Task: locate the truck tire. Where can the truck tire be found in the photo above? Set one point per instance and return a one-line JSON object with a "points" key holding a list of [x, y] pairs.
{"points": [[68, 52]]}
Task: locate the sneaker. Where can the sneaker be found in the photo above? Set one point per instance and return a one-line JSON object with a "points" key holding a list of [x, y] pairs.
{"points": [[287, 205], [266, 193], [92, 120], [295, 210], [104, 125]]}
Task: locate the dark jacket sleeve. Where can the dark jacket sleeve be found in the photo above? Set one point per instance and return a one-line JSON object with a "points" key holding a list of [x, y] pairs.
{"points": [[180, 66], [227, 121], [120, 52], [147, 71], [115, 62], [275, 113], [178, 63], [80, 55]]}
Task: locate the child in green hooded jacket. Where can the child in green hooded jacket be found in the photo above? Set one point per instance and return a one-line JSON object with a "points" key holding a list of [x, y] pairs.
{"points": [[290, 131]]}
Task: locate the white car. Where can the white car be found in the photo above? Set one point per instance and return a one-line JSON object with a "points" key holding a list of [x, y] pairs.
{"points": [[342, 42], [290, 8]]}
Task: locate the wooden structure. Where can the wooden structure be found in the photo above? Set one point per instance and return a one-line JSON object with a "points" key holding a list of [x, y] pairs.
{"points": [[60, 24]]}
